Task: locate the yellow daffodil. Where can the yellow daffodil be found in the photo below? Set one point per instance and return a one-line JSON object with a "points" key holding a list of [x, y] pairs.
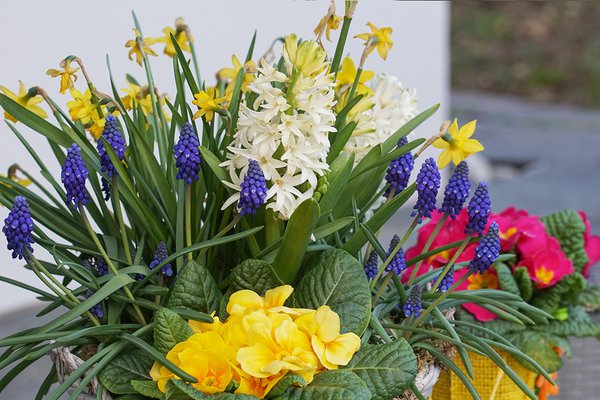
{"points": [[231, 73], [457, 143], [81, 108], [204, 356], [137, 95], [26, 98], [12, 175], [97, 127], [180, 37], [308, 57], [139, 51], [347, 75], [332, 348], [67, 75], [207, 103], [378, 38], [328, 23]]}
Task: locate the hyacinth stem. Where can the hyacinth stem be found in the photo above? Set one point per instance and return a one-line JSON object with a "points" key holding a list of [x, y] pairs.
{"points": [[396, 249], [188, 218], [53, 284], [339, 49], [430, 240], [440, 299], [119, 214], [355, 83], [452, 261], [110, 264], [386, 281], [221, 233]]}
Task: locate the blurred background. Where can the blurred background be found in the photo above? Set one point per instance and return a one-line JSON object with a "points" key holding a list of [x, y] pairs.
{"points": [[529, 72]]}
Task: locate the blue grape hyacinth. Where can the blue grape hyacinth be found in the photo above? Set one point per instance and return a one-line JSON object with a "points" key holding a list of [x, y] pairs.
{"points": [[114, 137], [253, 189], [456, 191], [96, 310], [428, 184], [398, 172], [371, 265], [486, 252], [413, 303], [398, 263], [74, 176], [18, 227], [479, 209], [160, 255], [447, 281], [187, 154], [96, 264]]}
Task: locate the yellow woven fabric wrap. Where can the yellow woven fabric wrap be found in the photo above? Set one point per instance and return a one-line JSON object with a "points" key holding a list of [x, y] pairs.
{"points": [[487, 377]]}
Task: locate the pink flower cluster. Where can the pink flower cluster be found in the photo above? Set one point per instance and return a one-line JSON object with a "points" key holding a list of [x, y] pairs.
{"points": [[520, 233]]}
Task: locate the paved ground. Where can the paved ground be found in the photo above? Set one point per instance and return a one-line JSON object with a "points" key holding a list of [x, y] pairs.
{"points": [[542, 158]]}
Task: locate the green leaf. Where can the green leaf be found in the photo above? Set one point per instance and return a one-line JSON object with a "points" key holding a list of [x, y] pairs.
{"points": [[408, 127], [295, 240], [338, 177], [169, 329], [590, 298], [286, 384], [566, 290], [505, 278], [387, 369], [524, 282], [578, 324], [255, 275], [331, 385], [341, 138], [195, 288], [539, 346], [126, 367], [328, 229], [213, 163], [568, 227], [338, 281], [179, 390], [147, 388]]}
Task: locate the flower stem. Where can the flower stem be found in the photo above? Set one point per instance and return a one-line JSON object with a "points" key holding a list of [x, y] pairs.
{"points": [[110, 264], [188, 218], [339, 49], [452, 261], [119, 214], [430, 240], [386, 281]]}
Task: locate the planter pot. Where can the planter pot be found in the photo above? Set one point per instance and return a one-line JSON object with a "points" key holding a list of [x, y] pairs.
{"points": [[489, 380]]}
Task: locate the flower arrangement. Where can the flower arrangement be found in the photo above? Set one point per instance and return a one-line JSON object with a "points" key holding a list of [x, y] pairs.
{"points": [[223, 242]]}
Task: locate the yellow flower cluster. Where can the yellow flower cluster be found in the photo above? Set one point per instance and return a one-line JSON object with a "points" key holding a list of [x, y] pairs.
{"points": [[260, 342]]}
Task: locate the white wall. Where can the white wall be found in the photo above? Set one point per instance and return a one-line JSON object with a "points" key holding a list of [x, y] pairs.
{"points": [[36, 35]]}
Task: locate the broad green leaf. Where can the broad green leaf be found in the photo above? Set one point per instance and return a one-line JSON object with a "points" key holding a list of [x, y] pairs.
{"points": [[388, 369], [295, 240], [590, 298], [255, 275], [338, 281], [195, 288], [286, 384], [568, 227], [179, 390], [331, 385], [169, 329], [130, 365], [566, 290], [147, 388], [539, 346], [505, 278], [524, 282]]}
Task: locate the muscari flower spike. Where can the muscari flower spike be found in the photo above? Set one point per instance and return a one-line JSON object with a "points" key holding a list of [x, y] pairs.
{"points": [[479, 209], [456, 191], [18, 227], [187, 154], [160, 255], [428, 183], [74, 175], [487, 251], [398, 263], [447, 281], [96, 310], [398, 172], [114, 137], [96, 264], [413, 303], [254, 189], [371, 265]]}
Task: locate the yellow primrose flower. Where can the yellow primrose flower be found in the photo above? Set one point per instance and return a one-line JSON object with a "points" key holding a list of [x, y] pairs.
{"points": [[137, 95], [145, 48], [332, 348], [231, 73], [379, 38], [207, 103], [204, 356], [457, 144], [347, 75], [277, 346], [244, 301], [26, 98], [329, 23], [307, 58], [258, 387], [180, 37], [67, 75], [200, 327]]}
